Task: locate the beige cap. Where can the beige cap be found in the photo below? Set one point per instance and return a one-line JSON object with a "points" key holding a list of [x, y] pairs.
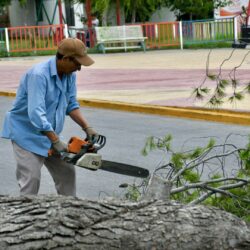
{"points": [[74, 47]]}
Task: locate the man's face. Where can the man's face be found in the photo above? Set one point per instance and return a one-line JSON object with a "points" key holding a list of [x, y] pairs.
{"points": [[70, 64]]}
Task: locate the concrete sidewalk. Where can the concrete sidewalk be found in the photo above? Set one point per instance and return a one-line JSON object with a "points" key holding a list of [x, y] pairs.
{"points": [[151, 80]]}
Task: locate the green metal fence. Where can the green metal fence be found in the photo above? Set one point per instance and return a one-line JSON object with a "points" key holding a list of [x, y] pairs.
{"points": [[2, 39], [203, 31]]}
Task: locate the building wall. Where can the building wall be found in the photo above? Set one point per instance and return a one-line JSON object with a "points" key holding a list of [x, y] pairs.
{"points": [[50, 7], [22, 16], [79, 11], [26, 16]]}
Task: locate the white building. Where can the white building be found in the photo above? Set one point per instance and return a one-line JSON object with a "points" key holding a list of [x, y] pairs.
{"points": [[44, 12]]}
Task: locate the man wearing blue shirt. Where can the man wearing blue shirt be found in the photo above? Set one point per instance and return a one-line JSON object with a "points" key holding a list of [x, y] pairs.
{"points": [[47, 93]]}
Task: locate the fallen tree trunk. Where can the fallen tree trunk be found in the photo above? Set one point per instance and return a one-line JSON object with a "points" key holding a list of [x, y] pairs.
{"points": [[58, 222]]}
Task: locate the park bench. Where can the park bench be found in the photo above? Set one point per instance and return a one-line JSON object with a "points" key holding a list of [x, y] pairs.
{"points": [[120, 37]]}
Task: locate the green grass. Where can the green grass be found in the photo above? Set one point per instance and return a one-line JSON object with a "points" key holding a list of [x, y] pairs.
{"points": [[208, 45]]}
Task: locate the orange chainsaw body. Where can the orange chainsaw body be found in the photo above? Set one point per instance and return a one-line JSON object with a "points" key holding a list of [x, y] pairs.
{"points": [[75, 145]]}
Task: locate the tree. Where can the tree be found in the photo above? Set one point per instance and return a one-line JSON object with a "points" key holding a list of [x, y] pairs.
{"points": [[141, 10], [59, 222], [195, 9], [4, 3]]}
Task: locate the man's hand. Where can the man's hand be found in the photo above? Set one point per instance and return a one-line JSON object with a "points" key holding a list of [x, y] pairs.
{"points": [[91, 134], [59, 146]]}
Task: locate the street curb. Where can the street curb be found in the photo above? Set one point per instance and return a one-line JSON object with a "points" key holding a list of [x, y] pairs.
{"points": [[218, 115]]}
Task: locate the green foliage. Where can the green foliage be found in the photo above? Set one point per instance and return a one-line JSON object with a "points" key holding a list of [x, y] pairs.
{"points": [[222, 3], [215, 101], [141, 10], [100, 6], [239, 207], [195, 9], [234, 83], [211, 143], [237, 96], [215, 177], [133, 193], [153, 143], [247, 88], [200, 92], [186, 197], [220, 91], [178, 160], [224, 83], [212, 77], [196, 153], [245, 157], [135, 10], [208, 45], [4, 3], [149, 146], [191, 176], [165, 143]]}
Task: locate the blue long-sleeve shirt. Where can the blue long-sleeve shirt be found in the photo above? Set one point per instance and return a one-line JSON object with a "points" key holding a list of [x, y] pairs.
{"points": [[42, 102]]}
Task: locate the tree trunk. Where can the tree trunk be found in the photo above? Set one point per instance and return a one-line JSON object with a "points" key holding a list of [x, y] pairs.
{"points": [[133, 18], [59, 222]]}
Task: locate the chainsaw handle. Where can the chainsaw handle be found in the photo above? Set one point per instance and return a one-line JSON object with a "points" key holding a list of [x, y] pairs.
{"points": [[99, 142], [84, 146]]}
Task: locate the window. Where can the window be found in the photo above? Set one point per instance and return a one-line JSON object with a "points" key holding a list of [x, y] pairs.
{"points": [[70, 15]]}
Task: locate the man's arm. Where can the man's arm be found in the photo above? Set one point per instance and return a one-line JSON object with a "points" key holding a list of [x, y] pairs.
{"points": [[77, 117], [51, 135], [81, 121], [57, 144]]}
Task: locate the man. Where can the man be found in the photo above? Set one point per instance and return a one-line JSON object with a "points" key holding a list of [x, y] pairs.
{"points": [[47, 92]]}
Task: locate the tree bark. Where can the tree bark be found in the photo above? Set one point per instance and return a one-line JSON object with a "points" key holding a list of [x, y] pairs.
{"points": [[59, 222]]}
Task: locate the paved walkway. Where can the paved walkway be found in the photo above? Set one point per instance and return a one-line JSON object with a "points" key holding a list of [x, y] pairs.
{"points": [[162, 78]]}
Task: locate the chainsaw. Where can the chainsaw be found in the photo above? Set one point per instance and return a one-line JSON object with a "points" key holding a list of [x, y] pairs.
{"points": [[84, 154]]}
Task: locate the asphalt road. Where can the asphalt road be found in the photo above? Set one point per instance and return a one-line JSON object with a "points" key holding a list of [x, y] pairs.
{"points": [[126, 135]]}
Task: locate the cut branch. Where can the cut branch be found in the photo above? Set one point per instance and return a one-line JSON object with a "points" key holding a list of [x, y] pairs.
{"points": [[205, 183], [181, 171], [225, 187]]}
